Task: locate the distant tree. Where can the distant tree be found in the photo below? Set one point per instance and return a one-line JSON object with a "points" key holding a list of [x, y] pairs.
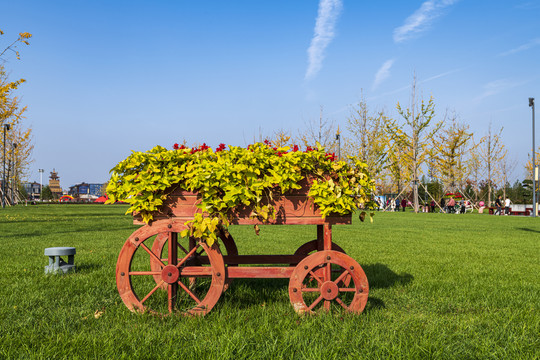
{"points": [[46, 193], [491, 151], [11, 113], [322, 131], [415, 136], [281, 138], [398, 167], [526, 186], [367, 139], [528, 165], [507, 167], [451, 145], [475, 168]]}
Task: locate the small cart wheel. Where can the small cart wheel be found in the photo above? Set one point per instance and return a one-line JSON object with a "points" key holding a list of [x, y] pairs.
{"points": [[135, 278], [320, 282]]}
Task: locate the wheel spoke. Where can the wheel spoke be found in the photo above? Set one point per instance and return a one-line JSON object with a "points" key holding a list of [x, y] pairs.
{"points": [[152, 291], [315, 277], [189, 292], [342, 304], [144, 273], [327, 305], [310, 289], [188, 255], [154, 256], [343, 274], [347, 290], [318, 300], [171, 296], [182, 248], [328, 273]]}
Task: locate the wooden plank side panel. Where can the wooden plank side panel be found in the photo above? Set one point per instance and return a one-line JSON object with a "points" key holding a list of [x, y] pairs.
{"points": [[291, 209]]}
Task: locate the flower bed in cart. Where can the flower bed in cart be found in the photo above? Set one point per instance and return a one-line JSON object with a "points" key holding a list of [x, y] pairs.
{"points": [[199, 192]]}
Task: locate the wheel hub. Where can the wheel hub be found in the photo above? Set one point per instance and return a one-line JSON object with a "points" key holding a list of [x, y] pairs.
{"points": [[329, 290], [170, 274]]}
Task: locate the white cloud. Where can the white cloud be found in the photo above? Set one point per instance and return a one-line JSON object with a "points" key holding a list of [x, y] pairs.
{"points": [[323, 34], [383, 73], [408, 87], [420, 19], [434, 77], [527, 46], [498, 86]]}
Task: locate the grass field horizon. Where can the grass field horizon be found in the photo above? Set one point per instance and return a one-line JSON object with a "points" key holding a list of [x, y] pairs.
{"points": [[441, 286]]}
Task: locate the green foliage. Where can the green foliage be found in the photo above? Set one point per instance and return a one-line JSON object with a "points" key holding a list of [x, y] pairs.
{"points": [[46, 193], [227, 180]]}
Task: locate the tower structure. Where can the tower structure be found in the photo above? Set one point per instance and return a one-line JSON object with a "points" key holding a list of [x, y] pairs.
{"points": [[54, 183]]}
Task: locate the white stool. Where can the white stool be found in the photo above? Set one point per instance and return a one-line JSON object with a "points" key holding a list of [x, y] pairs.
{"points": [[56, 263]]}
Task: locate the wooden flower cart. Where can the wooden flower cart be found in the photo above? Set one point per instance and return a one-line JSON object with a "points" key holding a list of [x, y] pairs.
{"points": [[159, 271]]}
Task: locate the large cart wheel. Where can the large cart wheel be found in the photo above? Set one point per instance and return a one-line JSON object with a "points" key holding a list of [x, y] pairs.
{"points": [[159, 248], [320, 282], [186, 259]]}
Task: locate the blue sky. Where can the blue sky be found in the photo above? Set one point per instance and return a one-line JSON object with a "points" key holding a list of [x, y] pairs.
{"points": [[108, 77]]}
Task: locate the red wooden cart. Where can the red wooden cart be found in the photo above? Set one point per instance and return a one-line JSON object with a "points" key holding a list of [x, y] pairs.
{"points": [[161, 272]]}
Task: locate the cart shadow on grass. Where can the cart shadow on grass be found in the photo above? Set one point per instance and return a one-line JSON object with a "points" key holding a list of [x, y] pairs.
{"points": [[528, 230], [245, 293]]}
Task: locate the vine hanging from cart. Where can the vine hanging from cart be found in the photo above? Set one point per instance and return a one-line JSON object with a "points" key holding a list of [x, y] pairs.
{"points": [[227, 179]]}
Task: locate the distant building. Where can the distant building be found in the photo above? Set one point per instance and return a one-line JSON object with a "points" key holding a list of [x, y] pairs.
{"points": [[33, 190], [85, 191]]}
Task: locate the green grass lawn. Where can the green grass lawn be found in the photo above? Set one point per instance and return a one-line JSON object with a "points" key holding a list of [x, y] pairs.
{"points": [[441, 286]]}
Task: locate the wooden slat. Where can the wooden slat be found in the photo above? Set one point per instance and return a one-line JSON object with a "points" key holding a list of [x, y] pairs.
{"points": [[259, 272], [262, 259]]}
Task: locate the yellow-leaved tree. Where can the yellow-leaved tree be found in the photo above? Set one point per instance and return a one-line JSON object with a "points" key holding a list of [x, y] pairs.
{"points": [[18, 145], [491, 151], [367, 141], [414, 137], [529, 165], [451, 145]]}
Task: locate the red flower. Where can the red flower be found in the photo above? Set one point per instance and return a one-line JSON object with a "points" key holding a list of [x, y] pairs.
{"points": [[175, 146], [295, 148], [331, 156], [267, 142], [221, 147], [309, 148]]}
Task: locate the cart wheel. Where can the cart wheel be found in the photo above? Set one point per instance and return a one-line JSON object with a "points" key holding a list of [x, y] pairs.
{"points": [[135, 278], [319, 282], [158, 248]]}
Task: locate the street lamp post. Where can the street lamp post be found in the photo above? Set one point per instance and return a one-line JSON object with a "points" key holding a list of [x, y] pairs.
{"points": [[6, 129], [338, 138], [14, 182], [41, 184], [535, 209]]}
